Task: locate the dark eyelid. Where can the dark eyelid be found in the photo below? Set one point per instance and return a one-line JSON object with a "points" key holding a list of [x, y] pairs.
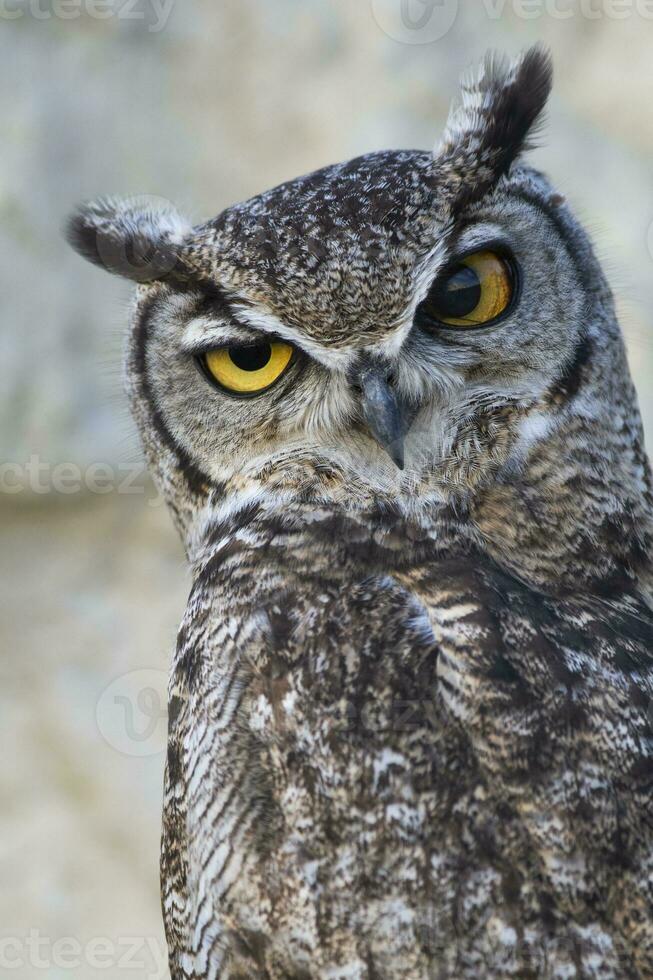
{"points": [[257, 337], [501, 246]]}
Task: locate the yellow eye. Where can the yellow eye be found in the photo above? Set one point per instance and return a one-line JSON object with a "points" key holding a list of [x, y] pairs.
{"points": [[248, 369], [474, 292]]}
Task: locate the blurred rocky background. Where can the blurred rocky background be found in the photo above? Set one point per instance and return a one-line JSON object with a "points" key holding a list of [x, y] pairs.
{"points": [[202, 103]]}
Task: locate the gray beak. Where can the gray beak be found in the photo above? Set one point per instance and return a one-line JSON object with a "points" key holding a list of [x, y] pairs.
{"points": [[382, 412]]}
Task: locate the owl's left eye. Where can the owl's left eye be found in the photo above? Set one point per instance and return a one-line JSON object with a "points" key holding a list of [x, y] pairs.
{"points": [[247, 369], [474, 292]]}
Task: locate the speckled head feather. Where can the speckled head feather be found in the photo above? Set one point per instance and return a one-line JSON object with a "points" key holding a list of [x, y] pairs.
{"points": [[409, 728]]}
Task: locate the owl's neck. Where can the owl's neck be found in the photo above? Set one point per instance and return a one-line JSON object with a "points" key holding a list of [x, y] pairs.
{"points": [[544, 528], [576, 516], [579, 515]]}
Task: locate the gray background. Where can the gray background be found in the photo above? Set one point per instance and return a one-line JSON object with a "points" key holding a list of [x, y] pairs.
{"points": [[203, 108]]}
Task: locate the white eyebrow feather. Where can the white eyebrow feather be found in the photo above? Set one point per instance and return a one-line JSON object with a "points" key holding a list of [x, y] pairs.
{"points": [[204, 331], [479, 234]]}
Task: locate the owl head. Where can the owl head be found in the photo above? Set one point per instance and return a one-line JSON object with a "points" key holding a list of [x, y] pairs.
{"points": [[411, 327]]}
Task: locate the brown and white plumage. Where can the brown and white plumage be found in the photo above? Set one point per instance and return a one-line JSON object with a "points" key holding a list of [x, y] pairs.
{"points": [[410, 727]]}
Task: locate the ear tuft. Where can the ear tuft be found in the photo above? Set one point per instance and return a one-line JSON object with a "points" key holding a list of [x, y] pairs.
{"points": [[139, 238], [498, 118]]}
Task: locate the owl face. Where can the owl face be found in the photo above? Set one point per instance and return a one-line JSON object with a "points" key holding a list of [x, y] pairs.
{"points": [[395, 326], [366, 362]]}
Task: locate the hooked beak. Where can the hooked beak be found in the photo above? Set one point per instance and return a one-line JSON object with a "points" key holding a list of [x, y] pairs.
{"points": [[382, 412]]}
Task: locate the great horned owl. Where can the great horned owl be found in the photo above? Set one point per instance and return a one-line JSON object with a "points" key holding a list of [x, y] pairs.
{"points": [[409, 717]]}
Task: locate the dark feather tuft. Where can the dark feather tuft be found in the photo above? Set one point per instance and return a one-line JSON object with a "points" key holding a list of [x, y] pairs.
{"points": [[496, 122], [130, 239]]}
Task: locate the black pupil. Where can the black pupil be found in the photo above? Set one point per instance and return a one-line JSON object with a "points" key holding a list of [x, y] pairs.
{"points": [[251, 358], [456, 296]]}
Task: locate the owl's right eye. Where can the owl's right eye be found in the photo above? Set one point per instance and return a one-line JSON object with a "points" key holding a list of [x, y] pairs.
{"points": [[475, 292], [247, 369]]}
